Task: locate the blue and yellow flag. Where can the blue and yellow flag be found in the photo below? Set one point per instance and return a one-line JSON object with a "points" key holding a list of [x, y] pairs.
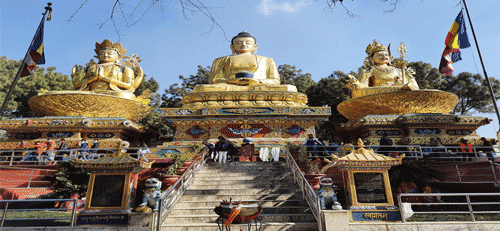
{"points": [[455, 40], [36, 54]]}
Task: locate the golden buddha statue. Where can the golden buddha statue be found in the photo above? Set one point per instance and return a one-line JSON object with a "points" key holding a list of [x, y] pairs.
{"points": [[109, 76], [244, 70], [381, 75]]}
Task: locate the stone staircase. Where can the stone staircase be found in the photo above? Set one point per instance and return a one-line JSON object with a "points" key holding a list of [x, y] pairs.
{"points": [[270, 184]]}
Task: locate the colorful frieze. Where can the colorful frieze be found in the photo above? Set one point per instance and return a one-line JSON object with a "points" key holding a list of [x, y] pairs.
{"points": [[60, 134], [246, 111], [28, 136], [295, 131], [196, 132], [427, 131], [101, 135], [389, 132], [458, 132], [245, 130]]}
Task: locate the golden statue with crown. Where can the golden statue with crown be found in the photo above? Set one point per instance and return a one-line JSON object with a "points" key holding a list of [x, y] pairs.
{"points": [[385, 88], [103, 89], [109, 76]]}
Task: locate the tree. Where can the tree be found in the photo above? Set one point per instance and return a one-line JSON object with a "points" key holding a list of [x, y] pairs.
{"points": [[472, 91], [330, 91], [153, 87], [427, 77], [291, 76], [69, 179], [29, 86], [173, 95]]}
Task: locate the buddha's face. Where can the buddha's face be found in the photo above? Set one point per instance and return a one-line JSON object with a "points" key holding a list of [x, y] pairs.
{"points": [[243, 45], [108, 56], [380, 58]]}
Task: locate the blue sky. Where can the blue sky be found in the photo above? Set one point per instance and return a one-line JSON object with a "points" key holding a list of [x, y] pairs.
{"points": [[297, 32]]}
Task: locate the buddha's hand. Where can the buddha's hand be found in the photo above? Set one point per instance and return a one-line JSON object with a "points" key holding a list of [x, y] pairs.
{"points": [[352, 82]]}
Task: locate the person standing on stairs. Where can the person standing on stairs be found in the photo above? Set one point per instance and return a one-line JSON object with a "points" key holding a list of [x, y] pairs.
{"points": [[222, 148]]}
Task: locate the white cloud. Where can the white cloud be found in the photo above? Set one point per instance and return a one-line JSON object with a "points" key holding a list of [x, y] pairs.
{"points": [[268, 6]]}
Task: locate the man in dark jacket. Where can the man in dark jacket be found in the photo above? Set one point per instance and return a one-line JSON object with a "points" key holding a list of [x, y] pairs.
{"points": [[222, 148]]}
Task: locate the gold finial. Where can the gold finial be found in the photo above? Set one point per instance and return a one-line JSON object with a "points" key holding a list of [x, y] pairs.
{"points": [[402, 50], [360, 143], [109, 45]]}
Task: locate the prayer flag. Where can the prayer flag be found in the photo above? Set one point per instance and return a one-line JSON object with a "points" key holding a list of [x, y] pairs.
{"points": [[455, 40], [35, 54]]}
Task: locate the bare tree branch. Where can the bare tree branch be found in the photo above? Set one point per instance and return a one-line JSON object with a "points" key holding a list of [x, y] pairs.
{"points": [[393, 4], [73, 15], [333, 3], [187, 6]]}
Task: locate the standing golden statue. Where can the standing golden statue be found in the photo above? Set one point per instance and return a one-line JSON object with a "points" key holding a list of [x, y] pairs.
{"points": [[109, 76], [244, 70], [381, 75]]}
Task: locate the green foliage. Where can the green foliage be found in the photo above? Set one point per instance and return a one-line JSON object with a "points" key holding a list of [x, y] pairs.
{"points": [[154, 124], [173, 95], [472, 91], [29, 86], [153, 87], [329, 91], [289, 75], [416, 171], [427, 77], [67, 180]]}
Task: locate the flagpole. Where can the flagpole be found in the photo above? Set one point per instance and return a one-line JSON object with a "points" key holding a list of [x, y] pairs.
{"points": [[14, 82], [482, 64]]}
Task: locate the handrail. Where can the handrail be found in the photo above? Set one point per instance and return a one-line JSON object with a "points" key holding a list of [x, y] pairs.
{"points": [[468, 202], [6, 209], [174, 193], [31, 174], [445, 153], [20, 156], [307, 191]]}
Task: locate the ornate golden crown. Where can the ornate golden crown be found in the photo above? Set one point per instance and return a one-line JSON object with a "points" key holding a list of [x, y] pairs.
{"points": [[372, 48], [109, 45]]}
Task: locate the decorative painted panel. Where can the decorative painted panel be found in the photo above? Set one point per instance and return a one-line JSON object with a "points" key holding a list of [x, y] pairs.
{"points": [[245, 130]]}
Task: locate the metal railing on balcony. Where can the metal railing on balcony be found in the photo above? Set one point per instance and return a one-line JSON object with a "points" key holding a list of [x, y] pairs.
{"points": [[442, 205]]}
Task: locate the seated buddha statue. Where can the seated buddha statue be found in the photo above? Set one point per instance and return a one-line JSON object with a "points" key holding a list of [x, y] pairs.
{"points": [[244, 70], [381, 75], [109, 76]]}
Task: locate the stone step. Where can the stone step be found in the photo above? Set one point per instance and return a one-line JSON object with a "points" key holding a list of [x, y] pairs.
{"points": [[241, 197], [180, 210], [244, 172], [257, 178], [236, 163], [266, 226], [296, 217], [264, 203], [240, 191], [247, 185]]}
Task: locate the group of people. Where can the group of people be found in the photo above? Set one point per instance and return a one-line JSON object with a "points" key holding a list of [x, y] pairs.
{"points": [[436, 149], [220, 151], [49, 152]]}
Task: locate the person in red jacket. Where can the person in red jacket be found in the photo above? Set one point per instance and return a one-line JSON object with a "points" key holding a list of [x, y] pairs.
{"points": [[40, 147], [466, 148]]}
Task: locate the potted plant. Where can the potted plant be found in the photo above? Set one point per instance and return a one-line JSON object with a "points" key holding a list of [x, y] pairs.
{"points": [[169, 176], [313, 176]]}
